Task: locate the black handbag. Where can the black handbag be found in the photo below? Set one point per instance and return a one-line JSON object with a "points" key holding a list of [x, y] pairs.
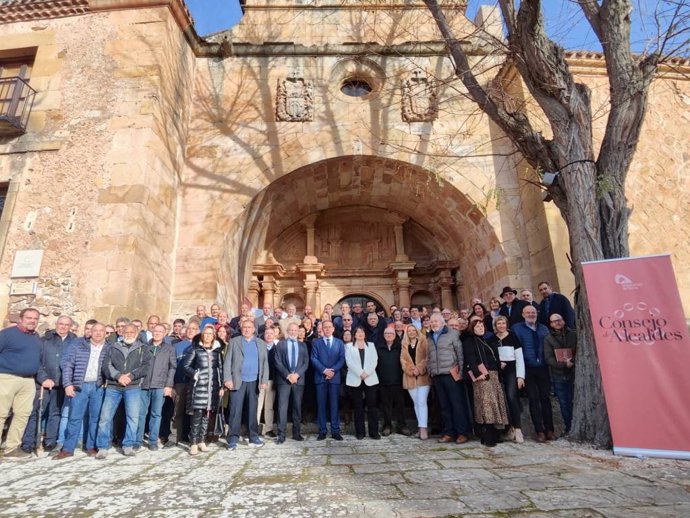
{"points": [[219, 426]]}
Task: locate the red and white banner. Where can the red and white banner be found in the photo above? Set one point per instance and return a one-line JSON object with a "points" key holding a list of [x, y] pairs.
{"points": [[644, 353]]}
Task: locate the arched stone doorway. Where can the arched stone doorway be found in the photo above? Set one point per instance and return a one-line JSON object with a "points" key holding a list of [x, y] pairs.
{"points": [[362, 224]]}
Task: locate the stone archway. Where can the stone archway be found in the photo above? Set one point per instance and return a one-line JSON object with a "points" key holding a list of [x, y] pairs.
{"points": [[418, 233]]}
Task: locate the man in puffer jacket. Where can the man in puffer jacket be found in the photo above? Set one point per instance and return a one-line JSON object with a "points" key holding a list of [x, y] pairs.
{"points": [[157, 385], [125, 366]]}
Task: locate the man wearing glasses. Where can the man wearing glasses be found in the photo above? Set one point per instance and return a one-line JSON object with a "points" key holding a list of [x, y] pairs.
{"points": [[559, 353]]}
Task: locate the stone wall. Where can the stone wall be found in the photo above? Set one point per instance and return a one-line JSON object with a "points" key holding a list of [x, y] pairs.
{"points": [[97, 181]]}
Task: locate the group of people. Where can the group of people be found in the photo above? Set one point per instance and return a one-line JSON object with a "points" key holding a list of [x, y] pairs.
{"points": [[212, 376]]}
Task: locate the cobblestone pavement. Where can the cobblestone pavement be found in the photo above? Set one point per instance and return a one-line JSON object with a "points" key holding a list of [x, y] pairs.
{"points": [[397, 476]]}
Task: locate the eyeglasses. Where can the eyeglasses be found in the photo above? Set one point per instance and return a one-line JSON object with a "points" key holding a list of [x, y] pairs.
{"points": [[108, 333]]}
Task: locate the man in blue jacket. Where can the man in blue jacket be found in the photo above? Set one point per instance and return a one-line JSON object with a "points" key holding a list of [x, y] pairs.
{"points": [[537, 380], [328, 358], [20, 359], [83, 382], [54, 346]]}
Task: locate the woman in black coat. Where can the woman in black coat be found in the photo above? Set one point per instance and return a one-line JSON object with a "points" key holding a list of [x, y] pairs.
{"points": [[203, 364]]}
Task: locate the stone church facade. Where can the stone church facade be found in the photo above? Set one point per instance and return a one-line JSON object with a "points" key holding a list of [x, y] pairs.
{"points": [[318, 150]]}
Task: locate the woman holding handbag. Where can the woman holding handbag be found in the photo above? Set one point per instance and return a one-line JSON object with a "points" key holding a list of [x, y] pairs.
{"points": [[484, 368]]}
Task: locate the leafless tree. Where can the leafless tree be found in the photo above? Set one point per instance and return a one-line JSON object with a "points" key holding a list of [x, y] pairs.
{"points": [[590, 191]]}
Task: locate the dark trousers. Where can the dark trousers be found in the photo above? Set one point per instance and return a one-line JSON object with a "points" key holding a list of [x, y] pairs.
{"points": [[327, 395], [538, 385], [512, 396], [454, 405], [52, 408], [197, 432], [392, 404], [564, 392], [288, 393], [166, 418], [369, 393], [247, 392]]}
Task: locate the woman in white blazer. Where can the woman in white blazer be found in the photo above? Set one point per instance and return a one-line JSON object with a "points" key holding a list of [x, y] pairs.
{"points": [[361, 360]]}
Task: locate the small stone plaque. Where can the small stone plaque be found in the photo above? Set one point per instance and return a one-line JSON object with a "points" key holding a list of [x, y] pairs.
{"points": [[27, 263], [23, 288]]}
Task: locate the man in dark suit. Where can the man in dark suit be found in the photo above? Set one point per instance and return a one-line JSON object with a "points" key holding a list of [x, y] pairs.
{"points": [[328, 358], [512, 306], [291, 362], [555, 303]]}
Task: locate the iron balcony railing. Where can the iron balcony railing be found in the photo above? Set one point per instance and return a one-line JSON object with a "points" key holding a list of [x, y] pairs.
{"points": [[16, 101]]}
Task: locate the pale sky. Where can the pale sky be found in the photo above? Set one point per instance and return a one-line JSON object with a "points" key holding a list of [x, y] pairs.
{"points": [[565, 21]]}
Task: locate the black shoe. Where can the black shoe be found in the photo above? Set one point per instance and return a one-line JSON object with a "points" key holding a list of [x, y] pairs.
{"points": [[376, 437], [403, 431], [386, 431], [280, 440], [297, 438], [153, 447], [360, 436], [270, 434], [337, 437], [49, 447], [321, 437]]}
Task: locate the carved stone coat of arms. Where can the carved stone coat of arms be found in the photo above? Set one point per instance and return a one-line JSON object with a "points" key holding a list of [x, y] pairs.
{"points": [[419, 99], [295, 100]]}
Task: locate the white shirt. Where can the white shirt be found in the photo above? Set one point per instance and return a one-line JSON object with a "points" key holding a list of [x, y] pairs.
{"points": [[92, 368]]}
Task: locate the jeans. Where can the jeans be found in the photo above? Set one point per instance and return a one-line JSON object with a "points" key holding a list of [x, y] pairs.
{"points": [[50, 415], [538, 385], [132, 398], [419, 397], [564, 392], [153, 398], [512, 396], [89, 398]]}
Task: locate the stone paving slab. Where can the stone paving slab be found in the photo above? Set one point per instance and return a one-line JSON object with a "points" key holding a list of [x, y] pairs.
{"points": [[394, 477]]}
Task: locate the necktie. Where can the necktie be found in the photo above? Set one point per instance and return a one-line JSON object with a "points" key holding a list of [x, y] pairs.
{"points": [[328, 343], [292, 355]]}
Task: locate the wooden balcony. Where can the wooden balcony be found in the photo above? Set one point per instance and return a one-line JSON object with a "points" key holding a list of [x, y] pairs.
{"points": [[16, 101]]}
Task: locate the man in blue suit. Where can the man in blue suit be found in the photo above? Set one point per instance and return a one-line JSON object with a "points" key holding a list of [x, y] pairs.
{"points": [[328, 358]]}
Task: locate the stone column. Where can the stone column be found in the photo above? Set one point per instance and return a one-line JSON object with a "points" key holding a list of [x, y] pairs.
{"points": [[268, 286], [309, 223], [459, 289], [400, 255], [253, 291], [311, 283], [403, 291], [402, 270], [445, 281]]}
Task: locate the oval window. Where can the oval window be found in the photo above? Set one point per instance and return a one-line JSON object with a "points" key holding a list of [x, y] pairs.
{"points": [[355, 88]]}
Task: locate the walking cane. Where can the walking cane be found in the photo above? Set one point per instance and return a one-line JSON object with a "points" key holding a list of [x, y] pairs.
{"points": [[39, 425]]}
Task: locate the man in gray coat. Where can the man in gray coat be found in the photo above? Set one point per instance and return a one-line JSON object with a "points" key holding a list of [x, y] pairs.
{"points": [[445, 364], [245, 373], [156, 386]]}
